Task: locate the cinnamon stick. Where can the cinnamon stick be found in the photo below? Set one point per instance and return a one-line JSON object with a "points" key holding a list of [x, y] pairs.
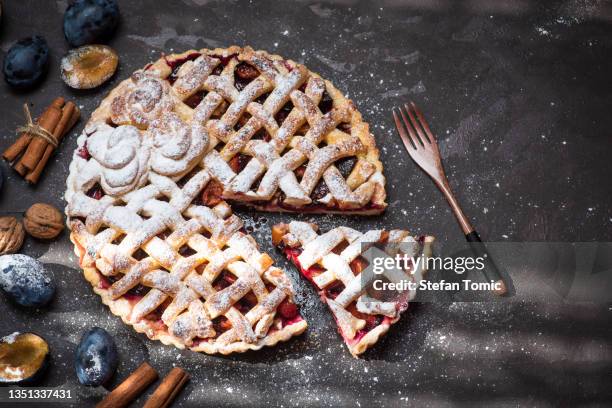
{"points": [[16, 148], [169, 388], [130, 388], [47, 121], [21, 169], [70, 115]]}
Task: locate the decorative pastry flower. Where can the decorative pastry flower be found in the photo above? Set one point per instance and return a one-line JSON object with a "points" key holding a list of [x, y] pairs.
{"points": [[144, 99], [119, 159], [177, 146]]}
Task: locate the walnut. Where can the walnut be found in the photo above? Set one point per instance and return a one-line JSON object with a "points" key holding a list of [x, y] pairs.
{"points": [[11, 235], [43, 221]]}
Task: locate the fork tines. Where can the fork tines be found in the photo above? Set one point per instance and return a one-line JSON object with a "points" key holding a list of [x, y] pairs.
{"points": [[412, 126]]}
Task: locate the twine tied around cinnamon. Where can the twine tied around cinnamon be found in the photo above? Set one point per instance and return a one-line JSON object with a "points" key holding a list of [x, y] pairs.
{"points": [[35, 129]]}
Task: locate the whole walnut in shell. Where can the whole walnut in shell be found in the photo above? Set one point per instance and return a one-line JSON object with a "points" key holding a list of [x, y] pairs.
{"points": [[43, 221], [11, 235]]}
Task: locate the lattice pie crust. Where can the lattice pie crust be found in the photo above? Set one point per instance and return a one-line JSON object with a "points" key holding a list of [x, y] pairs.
{"points": [[160, 159]]}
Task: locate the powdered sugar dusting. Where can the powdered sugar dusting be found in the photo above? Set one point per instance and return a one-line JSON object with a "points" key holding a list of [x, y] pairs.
{"points": [[22, 271], [11, 338]]}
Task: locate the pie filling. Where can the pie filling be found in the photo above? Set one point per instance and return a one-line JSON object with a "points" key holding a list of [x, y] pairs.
{"points": [[212, 194], [175, 65], [318, 207]]}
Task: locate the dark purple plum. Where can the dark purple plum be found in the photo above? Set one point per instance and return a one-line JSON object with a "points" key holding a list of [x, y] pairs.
{"points": [[25, 280], [90, 21], [96, 357], [26, 62]]}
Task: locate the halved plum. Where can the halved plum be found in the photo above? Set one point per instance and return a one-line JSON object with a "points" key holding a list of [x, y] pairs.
{"points": [[23, 358]]}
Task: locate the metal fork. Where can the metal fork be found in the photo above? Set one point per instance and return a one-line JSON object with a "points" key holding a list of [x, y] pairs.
{"points": [[423, 148]]}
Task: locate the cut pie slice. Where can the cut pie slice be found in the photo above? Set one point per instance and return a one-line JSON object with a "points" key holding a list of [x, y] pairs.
{"points": [[334, 264]]}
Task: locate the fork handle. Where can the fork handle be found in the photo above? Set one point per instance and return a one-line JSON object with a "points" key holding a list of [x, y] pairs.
{"points": [[452, 201], [490, 270], [479, 249]]}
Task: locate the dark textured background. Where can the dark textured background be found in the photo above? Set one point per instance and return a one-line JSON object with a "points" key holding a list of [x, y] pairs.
{"points": [[519, 94]]}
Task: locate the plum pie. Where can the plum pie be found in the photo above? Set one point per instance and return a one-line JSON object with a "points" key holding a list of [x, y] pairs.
{"points": [[334, 263], [163, 158]]}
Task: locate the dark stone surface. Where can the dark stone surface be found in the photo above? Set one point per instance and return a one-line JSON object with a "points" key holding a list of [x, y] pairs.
{"points": [[519, 94]]}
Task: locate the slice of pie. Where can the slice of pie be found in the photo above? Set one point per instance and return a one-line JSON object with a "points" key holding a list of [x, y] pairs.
{"points": [[334, 264]]}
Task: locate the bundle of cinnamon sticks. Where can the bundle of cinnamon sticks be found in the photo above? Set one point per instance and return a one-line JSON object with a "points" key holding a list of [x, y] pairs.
{"points": [[139, 380], [37, 140]]}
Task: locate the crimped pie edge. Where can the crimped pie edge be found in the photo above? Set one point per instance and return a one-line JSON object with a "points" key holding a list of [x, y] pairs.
{"points": [[120, 308]]}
